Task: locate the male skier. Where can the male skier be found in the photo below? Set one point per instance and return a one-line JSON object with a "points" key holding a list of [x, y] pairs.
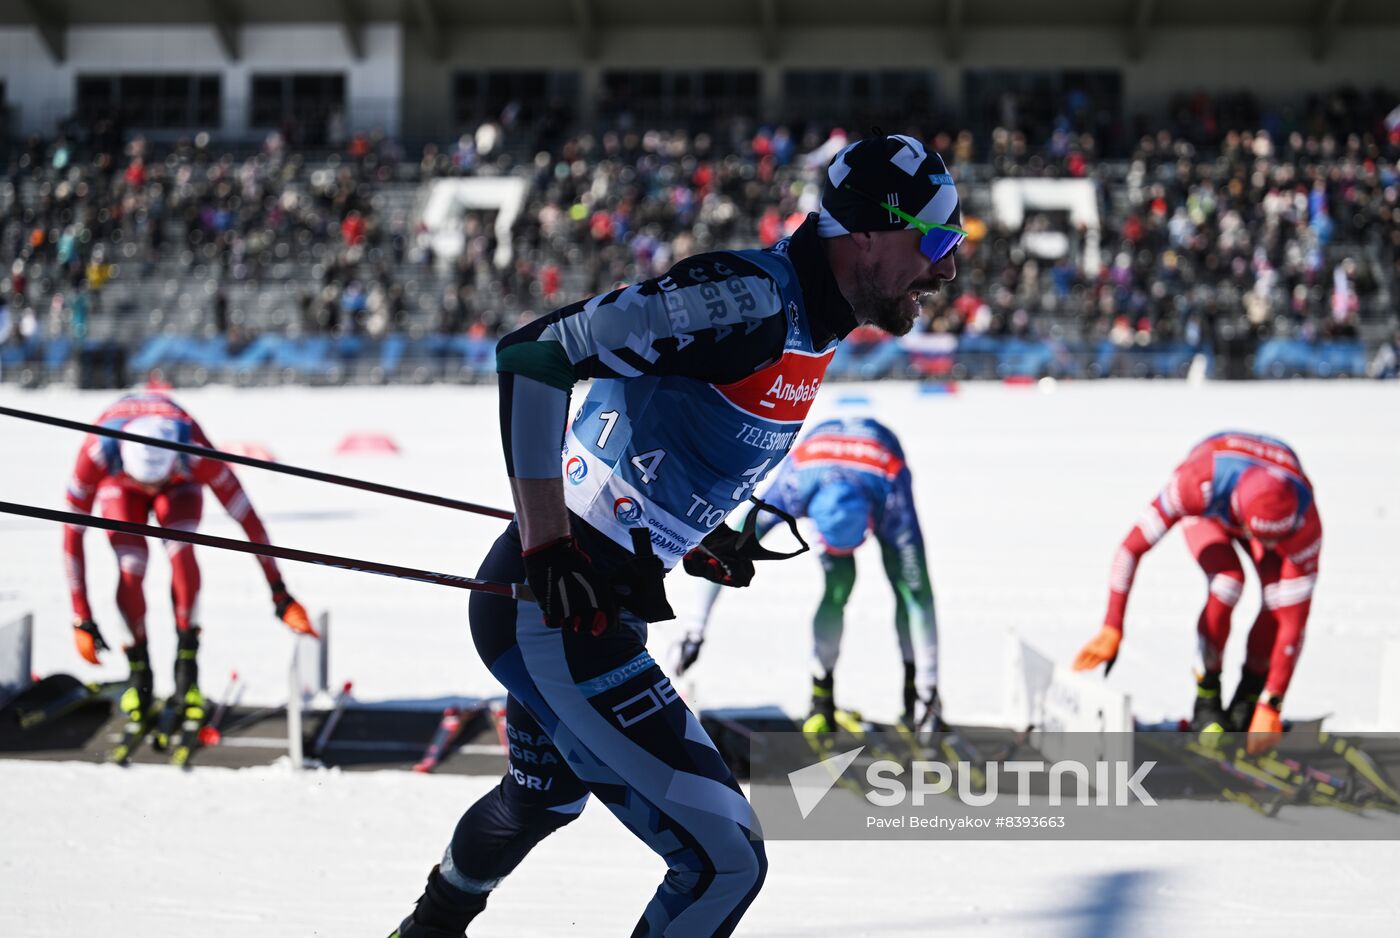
{"points": [[701, 380]]}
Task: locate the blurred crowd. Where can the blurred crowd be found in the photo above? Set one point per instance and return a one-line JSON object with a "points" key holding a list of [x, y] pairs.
{"points": [[1292, 237], [1288, 225], [77, 218], [1217, 229]]}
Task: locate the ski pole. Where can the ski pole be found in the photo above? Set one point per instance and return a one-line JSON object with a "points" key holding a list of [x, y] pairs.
{"points": [[209, 734], [518, 591], [210, 453], [256, 716], [324, 736]]}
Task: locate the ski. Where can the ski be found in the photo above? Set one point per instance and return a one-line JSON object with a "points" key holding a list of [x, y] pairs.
{"points": [[185, 740], [167, 720], [1310, 785], [1295, 782], [449, 728], [852, 729], [954, 748], [51, 699], [1255, 800], [1364, 787], [134, 733], [849, 732], [191, 733], [951, 748], [957, 751], [1362, 765], [1301, 773]]}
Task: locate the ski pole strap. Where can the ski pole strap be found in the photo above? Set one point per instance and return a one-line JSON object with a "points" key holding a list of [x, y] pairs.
{"points": [[748, 546], [209, 453], [640, 584], [518, 591]]}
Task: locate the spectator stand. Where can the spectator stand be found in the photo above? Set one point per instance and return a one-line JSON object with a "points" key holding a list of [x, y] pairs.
{"points": [[1271, 251]]}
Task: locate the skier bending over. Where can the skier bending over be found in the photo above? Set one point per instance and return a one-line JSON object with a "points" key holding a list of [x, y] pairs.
{"points": [[1233, 488], [129, 481], [849, 477]]}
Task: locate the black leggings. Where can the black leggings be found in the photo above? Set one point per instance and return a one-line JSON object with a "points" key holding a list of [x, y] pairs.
{"points": [[596, 715]]}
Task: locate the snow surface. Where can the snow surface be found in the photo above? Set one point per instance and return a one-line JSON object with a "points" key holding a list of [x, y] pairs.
{"points": [[1023, 497]]}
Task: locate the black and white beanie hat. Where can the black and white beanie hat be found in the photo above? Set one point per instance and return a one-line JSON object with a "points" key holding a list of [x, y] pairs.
{"points": [[897, 169]]}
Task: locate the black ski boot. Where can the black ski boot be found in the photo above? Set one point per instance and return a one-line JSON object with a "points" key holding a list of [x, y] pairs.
{"points": [[443, 911], [1247, 693], [137, 703], [188, 698], [187, 711], [911, 697], [1208, 716], [823, 718], [136, 700]]}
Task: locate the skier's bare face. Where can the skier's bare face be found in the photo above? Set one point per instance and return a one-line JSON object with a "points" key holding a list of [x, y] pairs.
{"points": [[890, 275]]}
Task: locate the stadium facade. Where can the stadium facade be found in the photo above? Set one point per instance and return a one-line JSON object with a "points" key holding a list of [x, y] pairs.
{"points": [[423, 68]]}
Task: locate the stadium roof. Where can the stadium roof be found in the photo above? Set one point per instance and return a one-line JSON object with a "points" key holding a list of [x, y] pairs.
{"points": [[946, 20]]}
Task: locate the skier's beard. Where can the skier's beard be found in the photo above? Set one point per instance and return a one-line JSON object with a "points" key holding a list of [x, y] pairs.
{"points": [[893, 312]]}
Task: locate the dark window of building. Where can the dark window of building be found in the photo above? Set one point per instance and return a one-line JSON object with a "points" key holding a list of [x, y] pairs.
{"points": [[688, 98], [521, 97], [305, 106], [96, 98], [207, 103], [892, 99], [157, 101], [267, 104]]}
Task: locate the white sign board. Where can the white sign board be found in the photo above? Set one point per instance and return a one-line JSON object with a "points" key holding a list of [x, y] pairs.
{"points": [[451, 199], [1012, 198], [16, 657], [1055, 700]]}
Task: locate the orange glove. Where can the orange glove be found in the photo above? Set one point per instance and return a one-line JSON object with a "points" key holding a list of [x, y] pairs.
{"points": [[1265, 729], [291, 612], [89, 640], [1103, 647]]}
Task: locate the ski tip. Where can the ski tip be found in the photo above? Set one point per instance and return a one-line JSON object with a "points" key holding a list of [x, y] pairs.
{"points": [[422, 768], [209, 736]]}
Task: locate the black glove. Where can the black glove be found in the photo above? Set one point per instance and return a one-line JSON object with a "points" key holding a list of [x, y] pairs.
{"points": [[687, 652], [718, 558], [726, 556], [570, 593]]}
